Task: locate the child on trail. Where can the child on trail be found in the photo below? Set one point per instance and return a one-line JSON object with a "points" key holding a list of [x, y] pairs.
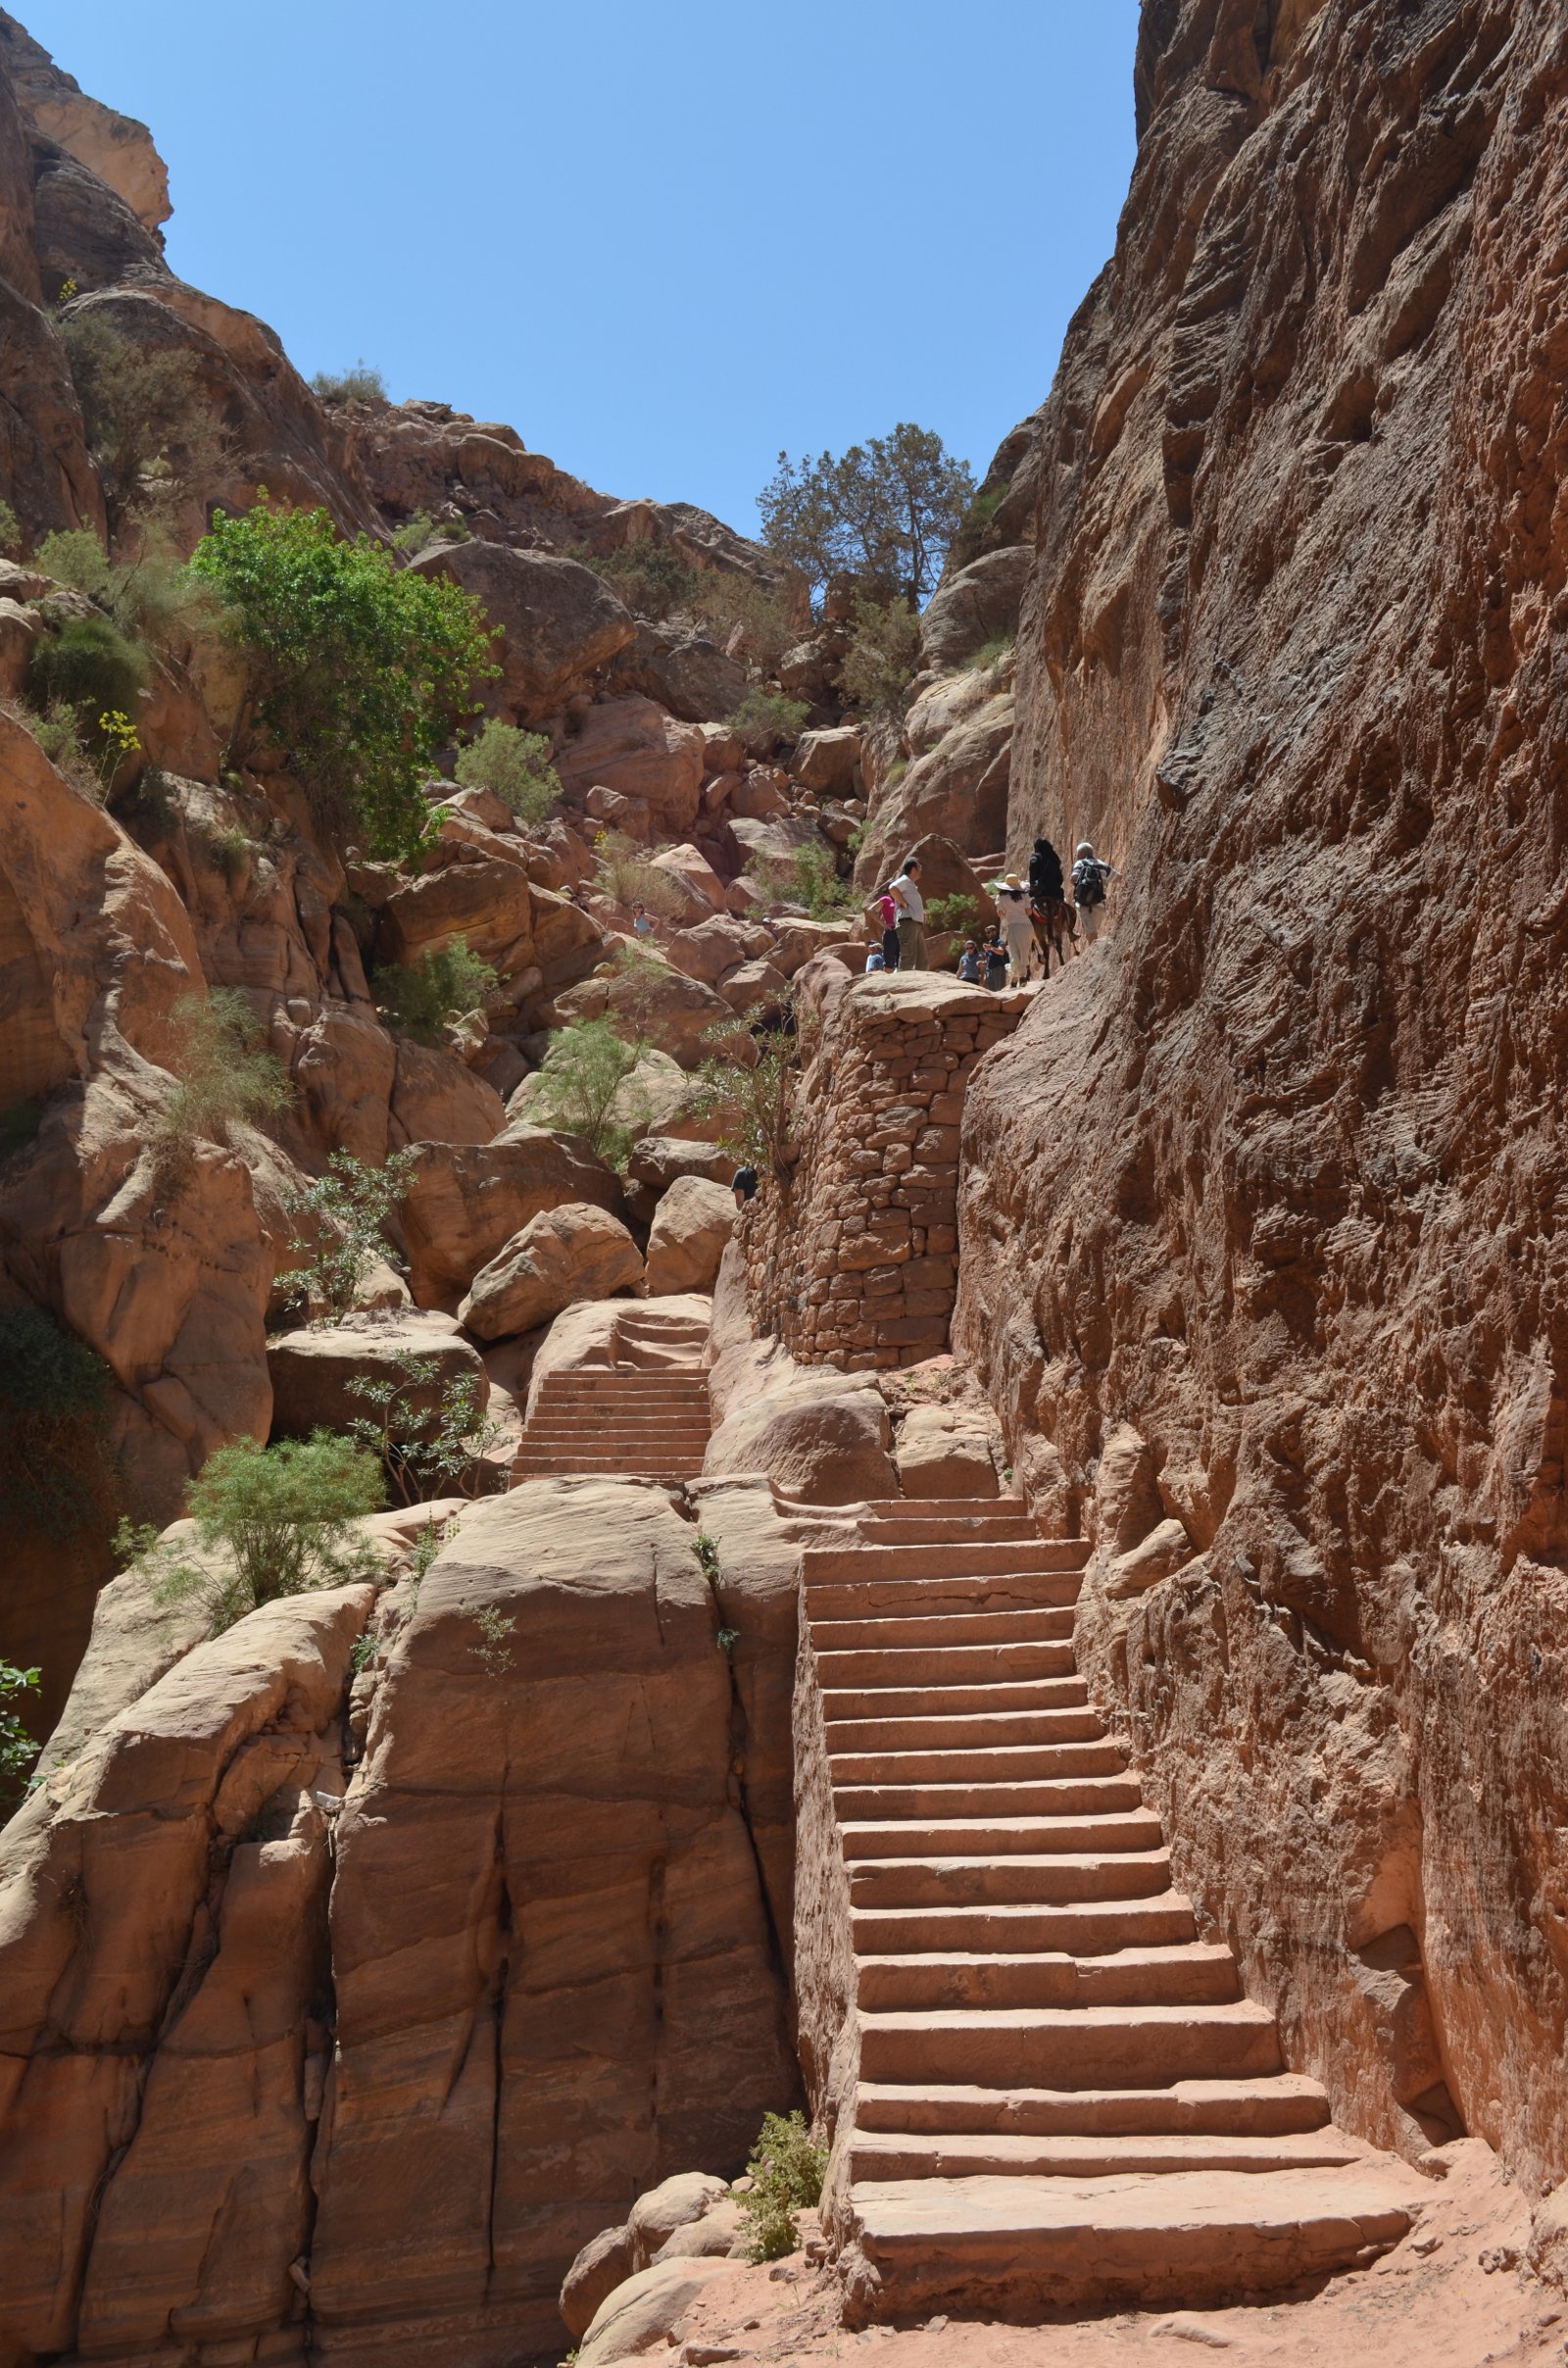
{"points": [[888, 915], [1089, 877], [1017, 929], [969, 963], [875, 959]]}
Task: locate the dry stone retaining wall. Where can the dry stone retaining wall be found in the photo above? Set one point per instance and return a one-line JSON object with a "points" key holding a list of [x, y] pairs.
{"points": [[855, 1265]]}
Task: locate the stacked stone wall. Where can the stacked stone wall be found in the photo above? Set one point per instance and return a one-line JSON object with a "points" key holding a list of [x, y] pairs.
{"points": [[852, 1259]]}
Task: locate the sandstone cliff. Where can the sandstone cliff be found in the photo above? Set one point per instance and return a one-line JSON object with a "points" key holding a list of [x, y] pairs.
{"points": [[1263, 1219]]}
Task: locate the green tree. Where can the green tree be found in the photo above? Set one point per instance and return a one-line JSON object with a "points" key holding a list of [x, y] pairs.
{"points": [[585, 1088], [17, 1747], [223, 1070], [360, 668], [883, 655], [884, 512], [420, 997], [514, 765], [339, 1218], [428, 1435], [275, 1520]]}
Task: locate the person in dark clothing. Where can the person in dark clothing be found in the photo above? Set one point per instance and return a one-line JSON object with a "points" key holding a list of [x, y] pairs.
{"points": [[743, 1185], [995, 959], [1052, 915]]}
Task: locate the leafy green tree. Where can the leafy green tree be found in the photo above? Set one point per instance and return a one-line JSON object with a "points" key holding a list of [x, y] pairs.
{"points": [[446, 981], [17, 1747], [884, 512], [274, 1520], [340, 1218], [585, 1088], [54, 1404], [514, 765], [428, 1435], [360, 668]]}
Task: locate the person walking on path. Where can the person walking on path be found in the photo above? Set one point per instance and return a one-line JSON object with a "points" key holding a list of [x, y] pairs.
{"points": [[996, 954], [888, 913], [905, 893], [1089, 877], [1052, 914], [969, 964], [1017, 929]]}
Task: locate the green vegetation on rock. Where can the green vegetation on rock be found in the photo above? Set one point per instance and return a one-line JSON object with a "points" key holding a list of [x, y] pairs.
{"points": [[514, 765], [420, 997]]}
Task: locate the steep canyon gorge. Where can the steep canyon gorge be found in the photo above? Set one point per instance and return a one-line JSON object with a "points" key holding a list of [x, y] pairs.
{"points": [[372, 1965]]}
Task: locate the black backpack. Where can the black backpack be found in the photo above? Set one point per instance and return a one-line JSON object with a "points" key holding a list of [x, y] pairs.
{"points": [[1088, 881], [1044, 875]]}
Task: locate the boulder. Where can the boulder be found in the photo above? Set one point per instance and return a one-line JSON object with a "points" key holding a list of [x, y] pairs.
{"points": [[828, 762], [685, 672], [714, 947], [945, 871], [822, 1440], [559, 620], [796, 941], [617, 811], [945, 1452], [760, 795], [488, 903], [648, 1099], [312, 1370], [671, 1012], [611, 1335], [465, 1200], [604, 2263], [693, 878], [674, 2203], [978, 605], [438, 1099], [958, 789], [753, 987], [573, 1253], [722, 2234], [645, 2313], [722, 743], [694, 1221], [632, 746], [659, 1159], [567, 942]]}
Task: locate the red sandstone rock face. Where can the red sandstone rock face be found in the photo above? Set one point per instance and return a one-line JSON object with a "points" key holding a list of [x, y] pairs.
{"points": [[1276, 1177]]}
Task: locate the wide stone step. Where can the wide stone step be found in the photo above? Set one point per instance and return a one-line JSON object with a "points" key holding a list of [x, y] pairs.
{"points": [[944, 1665], [1018, 2248], [1078, 1928], [1011, 1624], [934, 1527], [1065, 1796], [976, 1561], [937, 1702], [933, 1734], [642, 1468], [1196, 1973], [865, 1599], [619, 1434], [1136, 1829], [1003, 1764], [1237, 2108], [1024, 1880], [1090, 2047], [884, 2154]]}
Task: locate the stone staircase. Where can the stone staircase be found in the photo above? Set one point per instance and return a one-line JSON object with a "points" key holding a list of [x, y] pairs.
{"points": [[1063, 2097], [648, 1422]]}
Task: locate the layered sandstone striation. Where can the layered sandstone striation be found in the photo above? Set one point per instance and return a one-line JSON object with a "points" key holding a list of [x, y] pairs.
{"points": [[1262, 1225]]}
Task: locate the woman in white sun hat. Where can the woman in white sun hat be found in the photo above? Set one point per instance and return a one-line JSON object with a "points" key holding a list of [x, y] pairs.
{"points": [[1017, 929]]}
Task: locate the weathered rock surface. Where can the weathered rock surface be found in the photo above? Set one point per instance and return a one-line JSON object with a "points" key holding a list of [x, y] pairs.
{"points": [[563, 1255], [694, 1221], [631, 746], [975, 604], [312, 1371], [1276, 1177], [559, 620], [465, 1200], [945, 1452]]}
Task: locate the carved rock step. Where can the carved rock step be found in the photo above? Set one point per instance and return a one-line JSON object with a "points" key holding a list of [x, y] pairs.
{"points": [[1003, 1837], [935, 1526], [862, 1598], [1063, 1797], [1237, 2108], [976, 1561], [884, 2154], [1022, 2246], [977, 1730], [935, 1701], [1193, 1973], [1078, 1928], [1052, 2047], [943, 1664], [1006, 1624], [1003, 1764], [976, 1882], [628, 1389]]}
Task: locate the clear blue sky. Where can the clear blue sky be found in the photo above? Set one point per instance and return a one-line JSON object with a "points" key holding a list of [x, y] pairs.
{"points": [[663, 241]]}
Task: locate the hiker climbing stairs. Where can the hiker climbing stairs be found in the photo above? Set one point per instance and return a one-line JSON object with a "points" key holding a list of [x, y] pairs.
{"points": [[646, 1420], [1063, 2095]]}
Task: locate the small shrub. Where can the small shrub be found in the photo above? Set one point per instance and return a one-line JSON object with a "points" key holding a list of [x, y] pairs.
{"points": [[429, 1437], [882, 655], [651, 579], [420, 997], [756, 1107], [990, 654], [229, 850], [814, 882], [787, 2172], [584, 1089], [736, 605], [767, 715], [73, 556], [10, 532], [493, 1649], [17, 1747], [54, 1405], [706, 1552], [58, 732], [983, 509], [627, 878], [963, 914], [419, 532], [342, 1240], [281, 1518], [88, 666], [224, 1072], [361, 384], [513, 764]]}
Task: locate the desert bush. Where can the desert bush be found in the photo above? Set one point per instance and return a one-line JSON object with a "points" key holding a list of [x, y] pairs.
{"points": [[882, 656], [958, 912], [73, 556], [360, 668], [786, 2170], [814, 882], [339, 1220], [419, 532], [651, 579], [17, 1747], [768, 715], [754, 1108], [229, 850], [990, 654], [583, 1088], [151, 596], [420, 997], [429, 1437], [59, 733], [625, 874], [732, 603], [223, 1070], [10, 532], [361, 384], [88, 666], [278, 1520], [140, 406], [54, 1405], [515, 765]]}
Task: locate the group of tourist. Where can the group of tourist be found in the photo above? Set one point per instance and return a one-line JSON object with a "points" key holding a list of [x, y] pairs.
{"points": [[1033, 916]]}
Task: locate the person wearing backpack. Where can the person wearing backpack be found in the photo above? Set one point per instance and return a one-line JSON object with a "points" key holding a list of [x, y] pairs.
{"points": [[1089, 877], [995, 959]]}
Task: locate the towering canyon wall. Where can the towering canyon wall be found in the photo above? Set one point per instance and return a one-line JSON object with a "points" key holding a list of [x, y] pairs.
{"points": [[1263, 1220]]}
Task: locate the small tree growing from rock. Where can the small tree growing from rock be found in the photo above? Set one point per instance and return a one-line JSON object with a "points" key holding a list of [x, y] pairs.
{"points": [[883, 655], [756, 1107], [224, 1072], [786, 2171], [420, 997], [514, 765], [342, 1240], [428, 1438], [585, 1088]]}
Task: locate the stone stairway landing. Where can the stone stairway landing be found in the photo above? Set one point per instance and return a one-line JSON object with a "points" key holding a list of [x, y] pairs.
{"points": [[1063, 2097], [631, 1423]]}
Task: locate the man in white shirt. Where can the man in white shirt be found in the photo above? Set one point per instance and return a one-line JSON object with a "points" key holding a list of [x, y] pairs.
{"points": [[905, 893]]}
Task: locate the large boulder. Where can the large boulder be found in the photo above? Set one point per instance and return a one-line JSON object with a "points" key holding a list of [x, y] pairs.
{"points": [[822, 1440], [437, 1099], [946, 1451], [714, 946], [633, 747], [978, 605], [692, 877], [489, 902], [604, 2263], [559, 620], [313, 1371], [677, 2202], [573, 1253], [694, 1221], [685, 672], [828, 762], [658, 1160], [673, 1012], [645, 2313], [465, 1200], [957, 788]]}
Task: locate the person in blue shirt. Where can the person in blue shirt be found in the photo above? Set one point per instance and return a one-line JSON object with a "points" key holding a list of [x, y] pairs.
{"points": [[969, 963]]}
